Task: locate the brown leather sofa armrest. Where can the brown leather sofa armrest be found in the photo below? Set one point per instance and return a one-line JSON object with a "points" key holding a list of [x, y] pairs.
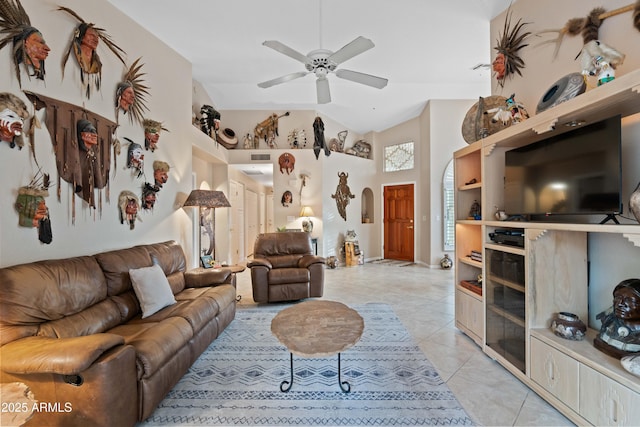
{"points": [[259, 262], [202, 277], [65, 356], [308, 260]]}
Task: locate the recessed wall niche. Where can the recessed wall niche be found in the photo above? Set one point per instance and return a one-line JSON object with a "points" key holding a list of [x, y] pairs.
{"points": [[367, 206]]}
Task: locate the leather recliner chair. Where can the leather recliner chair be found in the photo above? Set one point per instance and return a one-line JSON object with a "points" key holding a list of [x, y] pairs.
{"points": [[284, 268]]}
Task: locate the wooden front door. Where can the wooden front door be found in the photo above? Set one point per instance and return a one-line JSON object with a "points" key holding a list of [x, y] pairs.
{"points": [[398, 222]]}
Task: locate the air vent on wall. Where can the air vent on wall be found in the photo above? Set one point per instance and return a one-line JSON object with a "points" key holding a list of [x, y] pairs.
{"points": [[252, 172], [261, 157]]}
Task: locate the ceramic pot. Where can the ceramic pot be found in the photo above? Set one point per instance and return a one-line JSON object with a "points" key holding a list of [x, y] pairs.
{"points": [[632, 364], [569, 326], [446, 262]]}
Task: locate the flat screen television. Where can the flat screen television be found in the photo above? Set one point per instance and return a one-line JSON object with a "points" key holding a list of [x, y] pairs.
{"points": [[575, 173]]}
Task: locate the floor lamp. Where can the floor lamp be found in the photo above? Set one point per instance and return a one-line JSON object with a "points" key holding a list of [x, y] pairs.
{"points": [[206, 200]]}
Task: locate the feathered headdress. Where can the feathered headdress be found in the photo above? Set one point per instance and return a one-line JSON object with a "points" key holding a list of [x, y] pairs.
{"points": [[509, 44], [133, 80], [15, 26], [95, 67]]}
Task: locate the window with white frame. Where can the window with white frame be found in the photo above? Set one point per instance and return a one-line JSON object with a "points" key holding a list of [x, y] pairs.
{"points": [[449, 222], [398, 157]]}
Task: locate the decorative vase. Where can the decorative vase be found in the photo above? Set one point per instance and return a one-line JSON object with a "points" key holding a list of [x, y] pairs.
{"points": [[634, 203], [446, 262], [332, 262], [307, 225], [568, 326]]}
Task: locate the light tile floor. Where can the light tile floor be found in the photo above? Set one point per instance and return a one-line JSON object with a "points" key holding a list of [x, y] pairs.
{"points": [[423, 299]]}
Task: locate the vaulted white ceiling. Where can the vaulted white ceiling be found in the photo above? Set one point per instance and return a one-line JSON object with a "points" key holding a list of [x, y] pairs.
{"points": [[426, 49]]}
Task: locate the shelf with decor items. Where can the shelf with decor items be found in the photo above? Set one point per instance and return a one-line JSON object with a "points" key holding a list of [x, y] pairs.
{"points": [[582, 382], [468, 235]]}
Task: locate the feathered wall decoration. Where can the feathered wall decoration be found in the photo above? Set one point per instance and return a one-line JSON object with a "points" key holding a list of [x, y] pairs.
{"points": [[131, 93], [83, 45], [588, 26], [29, 47], [509, 44]]}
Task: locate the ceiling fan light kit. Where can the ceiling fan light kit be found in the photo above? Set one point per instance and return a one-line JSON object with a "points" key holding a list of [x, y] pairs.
{"points": [[322, 62]]}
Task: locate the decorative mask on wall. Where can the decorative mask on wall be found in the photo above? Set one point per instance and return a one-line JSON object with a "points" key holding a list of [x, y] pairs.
{"points": [[149, 196], [152, 129], [160, 173], [131, 93], [343, 195], [135, 158], [507, 61], [29, 47], [319, 142], [32, 209], [287, 163], [84, 43], [129, 205], [85, 167], [287, 199], [13, 112]]}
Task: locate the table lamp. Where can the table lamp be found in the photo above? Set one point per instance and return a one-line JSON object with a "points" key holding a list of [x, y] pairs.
{"points": [[307, 224], [206, 200]]}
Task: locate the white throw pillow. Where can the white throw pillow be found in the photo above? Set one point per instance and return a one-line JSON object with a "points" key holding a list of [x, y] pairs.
{"points": [[152, 289]]}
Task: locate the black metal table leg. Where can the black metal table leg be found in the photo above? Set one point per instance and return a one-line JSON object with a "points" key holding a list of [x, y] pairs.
{"points": [[344, 385], [283, 385]]}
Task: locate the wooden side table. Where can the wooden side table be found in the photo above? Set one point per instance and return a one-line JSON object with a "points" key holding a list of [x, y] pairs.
{"points": [[317, 328]]}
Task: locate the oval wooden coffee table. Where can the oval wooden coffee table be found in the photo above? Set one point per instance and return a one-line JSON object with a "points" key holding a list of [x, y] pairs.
{"points": [[317, 329]]}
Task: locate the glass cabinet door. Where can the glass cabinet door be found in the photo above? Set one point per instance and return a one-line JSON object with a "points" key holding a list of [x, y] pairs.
{"points": [[505, 314]]}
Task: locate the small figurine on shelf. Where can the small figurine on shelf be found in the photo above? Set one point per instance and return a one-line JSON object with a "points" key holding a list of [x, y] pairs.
{"points": [[620, 331], [474, 211]]}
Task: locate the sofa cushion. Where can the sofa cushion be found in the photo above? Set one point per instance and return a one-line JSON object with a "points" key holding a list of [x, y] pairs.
{"points": [[170, 256], [116, 266], [93, 320], [280, 276], [155, 343], [152, 289], [37, 292]]}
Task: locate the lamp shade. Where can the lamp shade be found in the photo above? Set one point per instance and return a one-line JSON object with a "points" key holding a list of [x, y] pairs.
{"points": [[306, 211], [207, 199]]}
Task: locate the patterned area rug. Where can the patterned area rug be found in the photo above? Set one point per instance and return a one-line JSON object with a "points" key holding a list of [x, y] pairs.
{"points": [[236, 381]]}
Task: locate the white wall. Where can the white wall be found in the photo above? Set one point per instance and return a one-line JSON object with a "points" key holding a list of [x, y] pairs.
{"points": [[168, 76], [611, 257]]}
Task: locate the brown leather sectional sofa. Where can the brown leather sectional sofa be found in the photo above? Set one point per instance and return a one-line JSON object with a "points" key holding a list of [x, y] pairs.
{"points": [[71, 329]]}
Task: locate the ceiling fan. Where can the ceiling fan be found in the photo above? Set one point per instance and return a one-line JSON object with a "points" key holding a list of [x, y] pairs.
{"points": [[321, 62]]}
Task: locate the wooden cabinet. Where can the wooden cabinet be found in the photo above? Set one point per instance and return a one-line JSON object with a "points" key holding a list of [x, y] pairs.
{"points": [[469, 232], [505, 304], [549, 274], [469, 314], [557, 372], [604, 402]]}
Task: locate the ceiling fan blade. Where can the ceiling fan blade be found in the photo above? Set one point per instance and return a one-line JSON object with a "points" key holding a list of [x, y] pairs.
{"points": [[286, 50], [283, 79], [365, 79], [356, 47], [322, 87]]}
